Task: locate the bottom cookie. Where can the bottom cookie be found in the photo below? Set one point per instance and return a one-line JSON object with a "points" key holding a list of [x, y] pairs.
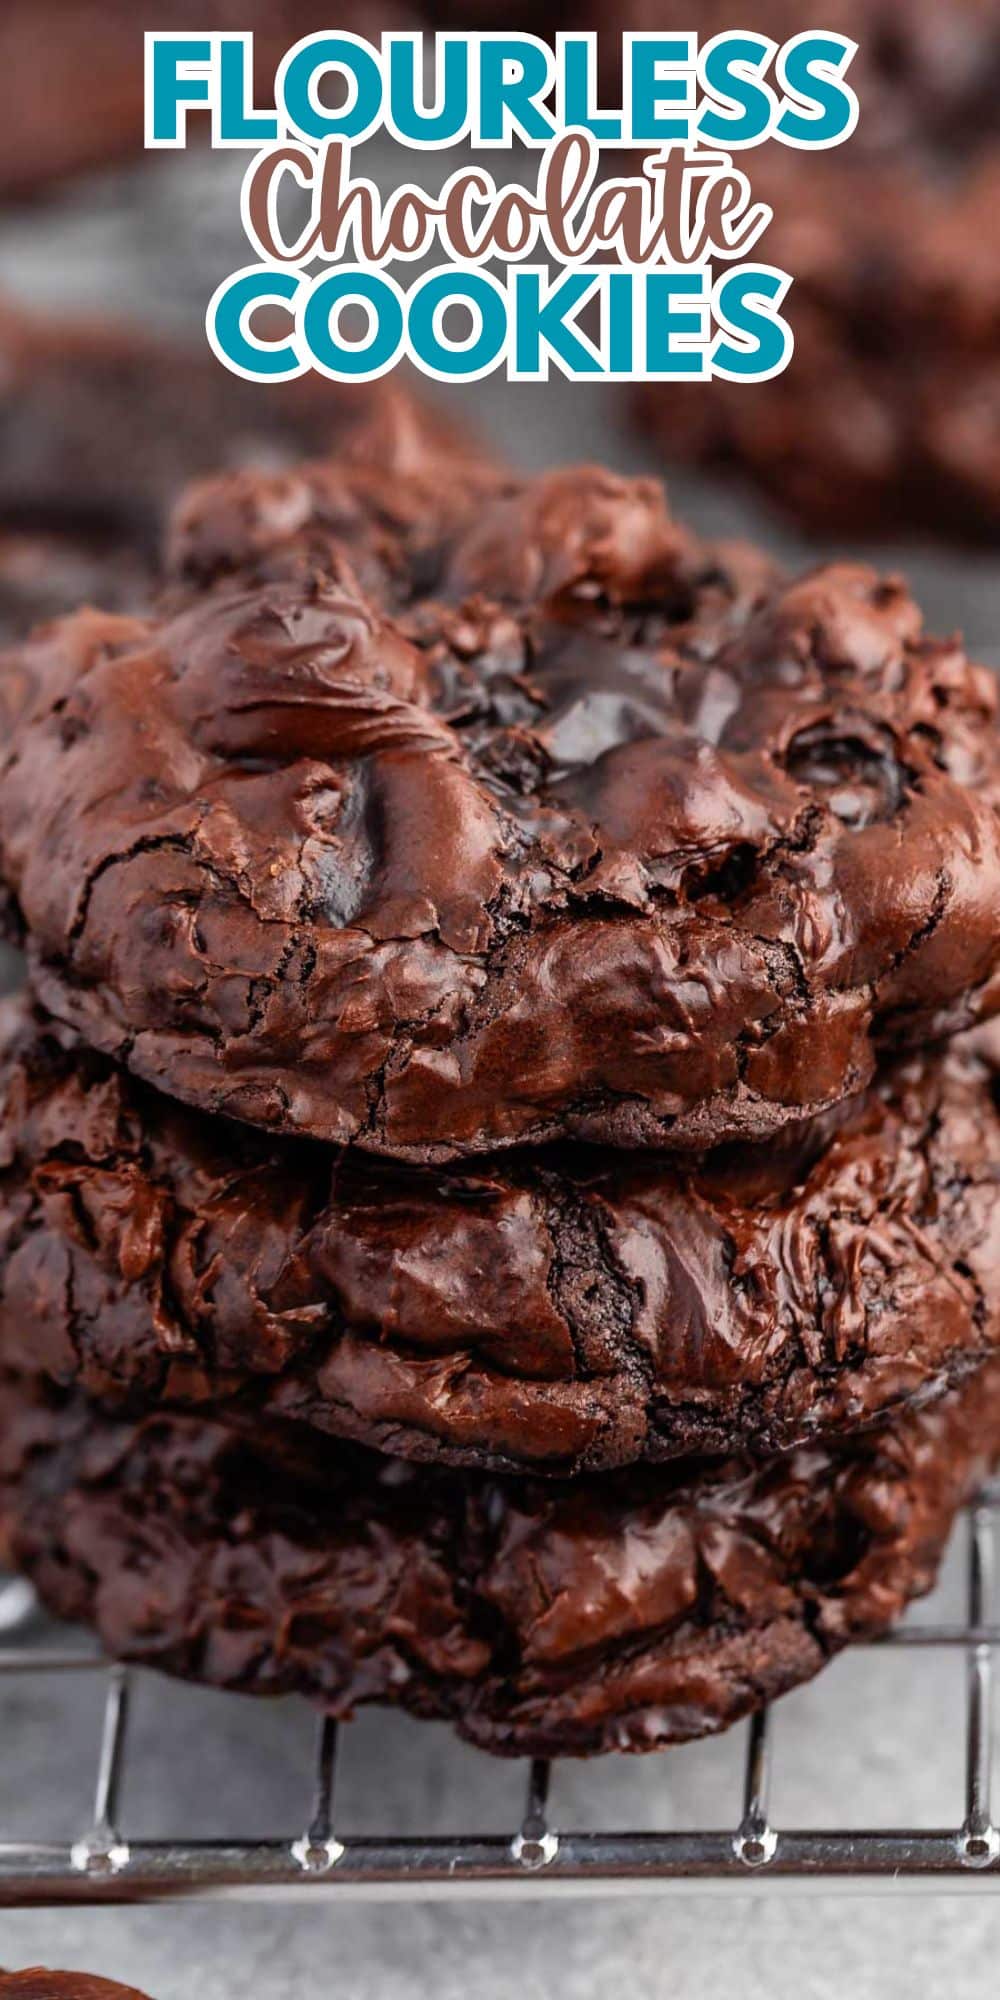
{"points": [[615, 1612], [38, 1983]]}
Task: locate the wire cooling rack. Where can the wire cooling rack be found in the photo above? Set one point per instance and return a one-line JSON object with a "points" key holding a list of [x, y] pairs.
{"points": [[103, 1865]]}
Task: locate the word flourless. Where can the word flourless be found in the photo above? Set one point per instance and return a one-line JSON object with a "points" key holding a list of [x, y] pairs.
{"points": [[629, 287], [735, 90]]}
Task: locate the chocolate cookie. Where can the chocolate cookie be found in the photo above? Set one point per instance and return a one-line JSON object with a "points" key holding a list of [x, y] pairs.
{"points": [[557, 1312], [38, 1983], [445, 811], [78, 64], [99, 431], [614, 1613], [920, 70], [45, 572], [887, 418]]}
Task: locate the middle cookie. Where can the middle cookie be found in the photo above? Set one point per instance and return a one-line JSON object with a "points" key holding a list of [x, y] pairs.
{"points": [[555, 1312]]}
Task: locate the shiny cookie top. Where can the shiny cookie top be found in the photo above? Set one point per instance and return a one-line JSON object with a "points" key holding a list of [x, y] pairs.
{"points": [[438, 811]]}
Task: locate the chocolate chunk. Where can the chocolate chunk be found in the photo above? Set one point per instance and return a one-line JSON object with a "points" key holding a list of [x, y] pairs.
{"points": [[554, 1312], [617, 1612], [440, 811]]}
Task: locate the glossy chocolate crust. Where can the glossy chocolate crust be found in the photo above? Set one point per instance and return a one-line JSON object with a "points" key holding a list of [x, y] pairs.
{"points": [[554, 1313], [442, 812], [36, 1982], [101, 428], [613, 1613], [887, 417]]}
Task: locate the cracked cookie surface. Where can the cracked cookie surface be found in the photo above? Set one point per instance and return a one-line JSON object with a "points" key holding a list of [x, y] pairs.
{"points": [[440, 811], [617, 1612], [555, 1312]]}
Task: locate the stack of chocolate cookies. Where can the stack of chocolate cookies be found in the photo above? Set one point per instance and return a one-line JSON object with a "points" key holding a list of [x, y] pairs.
{"points": [[498, 1165]]}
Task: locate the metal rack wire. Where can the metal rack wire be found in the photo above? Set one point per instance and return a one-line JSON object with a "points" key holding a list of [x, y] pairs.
{"points": [[103, 1866]]}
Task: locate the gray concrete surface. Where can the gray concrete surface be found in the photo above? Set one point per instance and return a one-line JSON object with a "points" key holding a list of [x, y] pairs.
{"points": [[879, 1737], [820, 1950]]}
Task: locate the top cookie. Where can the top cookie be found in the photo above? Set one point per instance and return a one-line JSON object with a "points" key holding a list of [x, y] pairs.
{"points": [[441, 811]]}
